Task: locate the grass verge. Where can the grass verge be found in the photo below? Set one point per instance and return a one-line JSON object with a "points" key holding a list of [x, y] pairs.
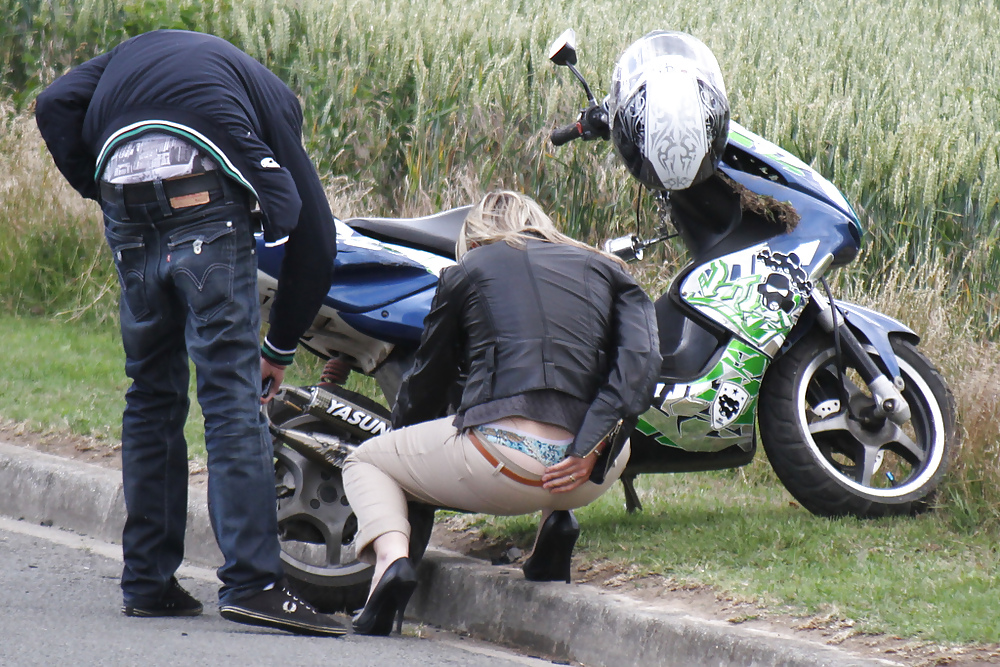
{"points": [[741, 533], [70, 376]]}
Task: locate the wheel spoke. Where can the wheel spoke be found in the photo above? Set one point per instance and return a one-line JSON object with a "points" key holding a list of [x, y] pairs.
{"points": [[333, 534], [329, 524], [837, 422], [856, 396], [290, 507], [868, 464], [911, 450]]}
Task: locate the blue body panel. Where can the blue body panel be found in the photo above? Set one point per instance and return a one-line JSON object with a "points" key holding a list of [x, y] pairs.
{"points": [[837, 232], [379, 292], [365, 279], [400, 323]]}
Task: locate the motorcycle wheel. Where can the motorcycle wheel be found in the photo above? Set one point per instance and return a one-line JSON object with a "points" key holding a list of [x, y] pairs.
{"points": [[832, 463], [316, 525]]}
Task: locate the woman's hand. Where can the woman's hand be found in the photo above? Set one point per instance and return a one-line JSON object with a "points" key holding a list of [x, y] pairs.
{"points": [[569, 473]]}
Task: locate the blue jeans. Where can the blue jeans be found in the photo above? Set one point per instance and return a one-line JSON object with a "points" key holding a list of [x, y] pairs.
{"points": [[189, 290]]}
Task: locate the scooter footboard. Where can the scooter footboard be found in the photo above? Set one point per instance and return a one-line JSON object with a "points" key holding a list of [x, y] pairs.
{"points": [[651, 457]]}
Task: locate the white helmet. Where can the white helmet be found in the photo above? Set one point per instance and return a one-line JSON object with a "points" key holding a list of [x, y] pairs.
{"points": [[669, 111]]}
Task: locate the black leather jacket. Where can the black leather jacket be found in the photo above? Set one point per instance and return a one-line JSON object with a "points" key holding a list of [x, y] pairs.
{"points": [[551, 316]]}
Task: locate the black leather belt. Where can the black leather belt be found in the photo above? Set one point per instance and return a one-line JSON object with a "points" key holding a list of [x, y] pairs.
{"points": [[180, 192]]}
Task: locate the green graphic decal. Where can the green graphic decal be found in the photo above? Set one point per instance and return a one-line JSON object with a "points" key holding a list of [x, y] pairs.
{"points": [[754, 293], [714, 412], [742, 140]]}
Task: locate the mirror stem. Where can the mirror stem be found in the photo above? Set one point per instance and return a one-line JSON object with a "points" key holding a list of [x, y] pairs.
{"points": [[586, 88]]}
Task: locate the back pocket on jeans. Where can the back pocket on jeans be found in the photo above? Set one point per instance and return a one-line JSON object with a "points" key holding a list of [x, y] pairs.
{"points": [[129, 253], [201, 261]]}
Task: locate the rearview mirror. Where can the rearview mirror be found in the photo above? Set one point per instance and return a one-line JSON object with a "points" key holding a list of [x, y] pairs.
{"points": [[563, 50]]}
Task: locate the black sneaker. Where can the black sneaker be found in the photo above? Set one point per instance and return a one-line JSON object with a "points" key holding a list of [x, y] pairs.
{"points": [[277, 607], [175, 602]]}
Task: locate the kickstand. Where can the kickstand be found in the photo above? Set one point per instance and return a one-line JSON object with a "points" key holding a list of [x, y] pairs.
{"points": [[632, 503]]}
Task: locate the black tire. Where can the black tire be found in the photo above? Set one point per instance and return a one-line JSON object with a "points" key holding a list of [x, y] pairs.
{"points": [[831, 463], [316, 525]]}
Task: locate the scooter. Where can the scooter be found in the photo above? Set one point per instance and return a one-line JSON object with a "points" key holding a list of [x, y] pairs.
{"points": [[854, 420]]}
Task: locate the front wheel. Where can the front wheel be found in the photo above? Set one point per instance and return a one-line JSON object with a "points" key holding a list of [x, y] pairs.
{"points": [[832, 462]]}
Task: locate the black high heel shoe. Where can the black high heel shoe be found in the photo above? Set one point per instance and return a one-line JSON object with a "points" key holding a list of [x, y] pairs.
{"points": [[551, 558], [388, 600]]}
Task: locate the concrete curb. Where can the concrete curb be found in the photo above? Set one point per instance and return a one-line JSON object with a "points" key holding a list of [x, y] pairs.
{"points": [[566, 622], [595, 627], [88, 499]]}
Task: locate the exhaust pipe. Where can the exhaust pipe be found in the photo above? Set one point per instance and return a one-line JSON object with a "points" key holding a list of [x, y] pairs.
{"points": [[341, 415]]}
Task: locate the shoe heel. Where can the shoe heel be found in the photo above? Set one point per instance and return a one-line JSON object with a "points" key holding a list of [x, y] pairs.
{"points": [[388, 601], [403, 599], [399, 619], [551, 559]]}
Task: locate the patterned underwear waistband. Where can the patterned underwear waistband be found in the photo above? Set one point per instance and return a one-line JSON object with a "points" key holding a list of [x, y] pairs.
{"points": [[546, 453]]}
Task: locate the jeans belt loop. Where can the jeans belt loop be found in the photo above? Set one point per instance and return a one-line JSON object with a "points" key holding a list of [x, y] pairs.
{"points": [[161, 197], [120, 201]]}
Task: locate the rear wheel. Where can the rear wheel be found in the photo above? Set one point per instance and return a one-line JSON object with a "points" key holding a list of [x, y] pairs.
{"points": [[316, 525], [833, 463]]}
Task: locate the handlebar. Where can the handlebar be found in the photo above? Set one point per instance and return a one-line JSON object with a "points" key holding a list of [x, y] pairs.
{"points": [[592, 124], [565, 134]]}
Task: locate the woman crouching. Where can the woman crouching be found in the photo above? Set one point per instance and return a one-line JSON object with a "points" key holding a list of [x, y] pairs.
{"points": [[553, 349]]}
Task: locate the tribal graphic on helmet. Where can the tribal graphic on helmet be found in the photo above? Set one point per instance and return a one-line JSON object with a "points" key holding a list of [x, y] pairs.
{"points": [[669, 110]]}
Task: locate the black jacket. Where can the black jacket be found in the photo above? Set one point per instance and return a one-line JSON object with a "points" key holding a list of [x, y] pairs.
{"points": [[551, 316], [204, 89]]}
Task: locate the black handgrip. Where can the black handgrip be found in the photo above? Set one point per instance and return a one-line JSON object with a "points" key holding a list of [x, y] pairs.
{"points": [[566, 134]]}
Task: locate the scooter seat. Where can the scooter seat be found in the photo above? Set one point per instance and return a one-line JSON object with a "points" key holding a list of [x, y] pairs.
{"points": [[435, 233]]}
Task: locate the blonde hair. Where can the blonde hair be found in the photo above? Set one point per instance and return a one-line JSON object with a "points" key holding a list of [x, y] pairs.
{"points": [[513, 218]]}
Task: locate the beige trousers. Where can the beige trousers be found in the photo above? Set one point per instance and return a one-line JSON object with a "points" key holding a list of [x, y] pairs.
{"points": [[435, 464]]}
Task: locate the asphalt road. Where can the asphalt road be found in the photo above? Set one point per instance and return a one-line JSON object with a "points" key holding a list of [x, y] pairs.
{"points": [[60, 605]]}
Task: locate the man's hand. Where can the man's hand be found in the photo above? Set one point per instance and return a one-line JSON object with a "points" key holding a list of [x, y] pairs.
{"points": [[271, 377], [568, 474]]}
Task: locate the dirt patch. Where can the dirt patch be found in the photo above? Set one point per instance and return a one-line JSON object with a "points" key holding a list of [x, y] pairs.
{"points": [[457, 534], [80, 448]]}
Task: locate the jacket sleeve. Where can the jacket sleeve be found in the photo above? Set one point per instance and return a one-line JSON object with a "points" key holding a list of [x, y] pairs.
{"points": [[60, 111], [627, 391], [307, 267], [426, 389]]}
